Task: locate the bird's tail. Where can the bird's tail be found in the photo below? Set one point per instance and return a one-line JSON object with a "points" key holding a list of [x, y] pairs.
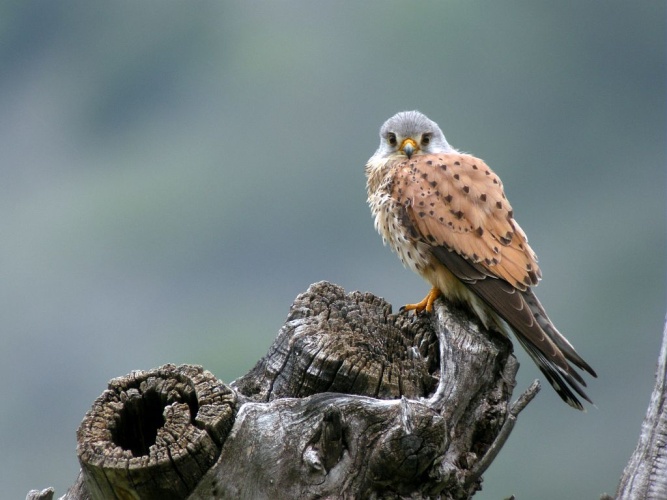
{"points": [[565, 384], [522, 313], [548, 327]]}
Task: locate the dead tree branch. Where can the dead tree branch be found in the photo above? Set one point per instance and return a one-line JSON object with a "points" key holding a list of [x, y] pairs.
{"points": [[350, 401], [645, 476]]}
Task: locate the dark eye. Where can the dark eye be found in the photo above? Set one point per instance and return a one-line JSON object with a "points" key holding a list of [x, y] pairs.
{"points": [[391, 139], [426, 138]]}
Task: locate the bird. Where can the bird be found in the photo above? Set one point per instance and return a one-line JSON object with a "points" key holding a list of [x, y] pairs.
{"points": [[446, 216]]}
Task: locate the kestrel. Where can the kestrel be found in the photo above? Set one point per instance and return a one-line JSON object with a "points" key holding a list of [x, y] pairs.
{"points": [[446, 216]]}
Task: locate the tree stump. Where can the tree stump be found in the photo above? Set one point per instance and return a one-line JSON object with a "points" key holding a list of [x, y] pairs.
{"points": [[154, 434], [351, 401]]}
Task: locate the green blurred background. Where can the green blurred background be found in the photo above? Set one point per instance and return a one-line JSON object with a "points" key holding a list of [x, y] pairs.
{"points": [[175, 173]]}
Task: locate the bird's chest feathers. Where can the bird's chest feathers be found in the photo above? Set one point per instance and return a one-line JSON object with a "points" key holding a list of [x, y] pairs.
{"points": [[413, 252], [389, 222]]}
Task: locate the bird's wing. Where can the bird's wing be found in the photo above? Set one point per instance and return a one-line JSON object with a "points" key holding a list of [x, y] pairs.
{"points": [[456, 204], [455, 200]]}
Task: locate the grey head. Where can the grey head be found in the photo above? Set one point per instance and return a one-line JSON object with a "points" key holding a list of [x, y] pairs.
{"points": [[411, 132]]}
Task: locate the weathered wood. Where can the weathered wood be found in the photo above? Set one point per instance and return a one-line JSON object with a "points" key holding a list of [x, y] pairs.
{"points": [[154, 434], [327, 445], [350, 401], [46, 494], [352, 344], [399, 443], [645, 476]]}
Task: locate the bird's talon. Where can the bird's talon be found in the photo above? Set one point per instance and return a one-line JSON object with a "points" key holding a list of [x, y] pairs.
{"points": [[425, 305]]}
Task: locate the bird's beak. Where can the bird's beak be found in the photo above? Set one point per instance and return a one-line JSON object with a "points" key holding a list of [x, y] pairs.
{"points": [[409, 146]]}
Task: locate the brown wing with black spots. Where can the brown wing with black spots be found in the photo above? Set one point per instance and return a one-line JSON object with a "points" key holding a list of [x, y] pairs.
{"points": [[457, 204], [456, 201]]}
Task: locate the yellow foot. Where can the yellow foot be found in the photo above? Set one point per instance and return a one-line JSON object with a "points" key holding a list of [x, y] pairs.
{"points": [[426, 304]]}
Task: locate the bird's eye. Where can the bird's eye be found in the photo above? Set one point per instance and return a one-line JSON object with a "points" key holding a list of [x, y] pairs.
{"points": [[426, 138], [391, 139]]}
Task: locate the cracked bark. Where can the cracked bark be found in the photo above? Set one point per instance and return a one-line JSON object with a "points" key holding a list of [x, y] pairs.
{"points": [[645, 476], [351, 401]]}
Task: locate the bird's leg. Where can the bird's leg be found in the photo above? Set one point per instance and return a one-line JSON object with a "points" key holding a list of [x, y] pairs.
{"points": [[425, 304]]}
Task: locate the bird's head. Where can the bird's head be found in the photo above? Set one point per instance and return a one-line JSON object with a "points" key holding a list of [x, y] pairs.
{"points": [[410, 133]]}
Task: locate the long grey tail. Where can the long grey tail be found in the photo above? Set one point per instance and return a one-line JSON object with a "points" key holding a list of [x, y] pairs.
{"points": [[557, 338], [562, 382]]}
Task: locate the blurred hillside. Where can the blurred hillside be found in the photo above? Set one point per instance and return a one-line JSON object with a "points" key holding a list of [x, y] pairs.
{"points": [[174, 174]]}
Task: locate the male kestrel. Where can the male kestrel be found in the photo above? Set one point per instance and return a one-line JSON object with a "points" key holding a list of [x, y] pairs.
{"points": [[446, 216]]}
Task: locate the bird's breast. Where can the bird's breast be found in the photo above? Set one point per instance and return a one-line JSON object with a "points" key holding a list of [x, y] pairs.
{"points": [[389, 222]]}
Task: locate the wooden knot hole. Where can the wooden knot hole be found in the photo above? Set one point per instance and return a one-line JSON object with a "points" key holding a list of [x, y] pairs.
{"points": [[138, 422], [143, 413]]}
